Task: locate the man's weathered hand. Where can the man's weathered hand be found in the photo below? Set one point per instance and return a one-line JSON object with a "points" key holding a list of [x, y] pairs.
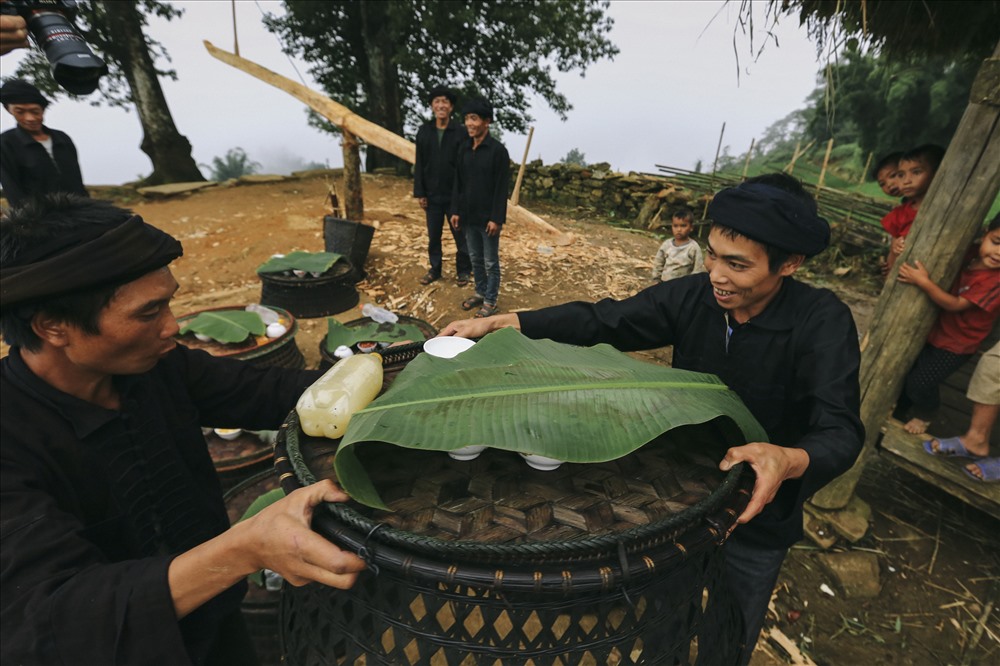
{"points": [[423, 202], [477, 328], [284, 541], [453, 220], [493, 229], [772, 464]]}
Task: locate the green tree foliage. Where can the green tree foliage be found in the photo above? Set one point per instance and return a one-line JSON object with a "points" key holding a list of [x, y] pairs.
{"points": [[886, 105], [234, 164], [381, 58], [574, 156]]}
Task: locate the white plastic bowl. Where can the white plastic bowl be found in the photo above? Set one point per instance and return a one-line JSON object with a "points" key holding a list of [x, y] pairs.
{"points": [[467, 452], [542, 463], [228, 433], [448, 346]]}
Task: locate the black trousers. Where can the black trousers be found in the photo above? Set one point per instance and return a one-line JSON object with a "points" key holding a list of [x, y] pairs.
{"points": [[921, 393], [437, 212]]}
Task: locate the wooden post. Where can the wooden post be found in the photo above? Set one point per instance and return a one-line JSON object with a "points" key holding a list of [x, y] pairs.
{"points": [[826, 160], [864, 172], [715, 164], [949, 219], [515, 198], [746, 165], [236, 41], [354, 202]]}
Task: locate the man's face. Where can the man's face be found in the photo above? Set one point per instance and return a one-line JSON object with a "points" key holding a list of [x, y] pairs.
{"points": [[476, 126], [916, 176], [741, 280], [442, 107], [136, 329], [888, 180], [29, 117]]}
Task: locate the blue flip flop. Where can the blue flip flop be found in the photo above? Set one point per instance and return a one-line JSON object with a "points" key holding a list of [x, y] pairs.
{"points": [[949, 447], [989, 467]]}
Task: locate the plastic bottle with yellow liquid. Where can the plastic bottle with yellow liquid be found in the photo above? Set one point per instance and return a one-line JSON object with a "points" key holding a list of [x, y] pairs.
{"points": [[325, 408]]}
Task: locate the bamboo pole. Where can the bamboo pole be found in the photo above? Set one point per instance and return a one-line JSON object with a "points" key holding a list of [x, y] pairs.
{"points": [[236, 40], [746, 165], [515, 198], [715, 164], [864, 172], [826, 160], [795, 155], [362, 128]]}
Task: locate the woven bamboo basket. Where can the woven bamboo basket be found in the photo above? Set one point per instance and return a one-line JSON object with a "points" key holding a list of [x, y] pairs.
{"points": [[328, 294], [491, 562]]}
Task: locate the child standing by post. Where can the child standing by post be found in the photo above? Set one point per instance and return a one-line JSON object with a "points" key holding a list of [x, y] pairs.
{"points": [[680, 255], [916, 171], [967, 315]]}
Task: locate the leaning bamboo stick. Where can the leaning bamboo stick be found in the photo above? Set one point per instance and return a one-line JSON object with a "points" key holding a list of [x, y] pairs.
{"points": [[366, 130], [515, 198]]}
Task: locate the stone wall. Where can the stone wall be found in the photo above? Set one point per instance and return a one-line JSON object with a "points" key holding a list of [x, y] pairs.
{"points": [[633, 198]]}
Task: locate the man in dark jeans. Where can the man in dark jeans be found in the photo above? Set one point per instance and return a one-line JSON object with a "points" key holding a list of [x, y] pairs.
{"points": [[433, 177], [479, 203]]}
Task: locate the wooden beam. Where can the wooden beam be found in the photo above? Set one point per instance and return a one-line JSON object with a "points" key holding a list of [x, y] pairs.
{"points": [[362, 128], [950, 217]]}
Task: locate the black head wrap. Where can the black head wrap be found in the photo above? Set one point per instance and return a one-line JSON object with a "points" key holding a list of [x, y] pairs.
{"points": [[21, 92], [93, 256], [441, 91], [480, 107], [772, 216]]}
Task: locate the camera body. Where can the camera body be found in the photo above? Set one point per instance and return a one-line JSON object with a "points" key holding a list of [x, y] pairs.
{"points": [[50, 24]]}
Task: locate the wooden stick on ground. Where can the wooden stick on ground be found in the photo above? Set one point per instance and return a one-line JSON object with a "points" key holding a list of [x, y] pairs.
{"points": [[362, 128]]}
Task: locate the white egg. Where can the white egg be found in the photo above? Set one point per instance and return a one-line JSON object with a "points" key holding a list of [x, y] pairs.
{"points": [[203, 337], [276, 330], [297, 273]]}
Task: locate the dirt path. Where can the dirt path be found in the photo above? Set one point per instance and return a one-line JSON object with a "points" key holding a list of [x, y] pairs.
{"points": [[938, 559]]}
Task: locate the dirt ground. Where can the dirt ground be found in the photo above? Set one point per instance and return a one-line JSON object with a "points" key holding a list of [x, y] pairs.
{"points": [[939, 561]]}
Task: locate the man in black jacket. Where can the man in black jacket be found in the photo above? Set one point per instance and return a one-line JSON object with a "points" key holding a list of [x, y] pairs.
{"points": [[34, 159], [433, 178], [479, 203], [790, 351]]}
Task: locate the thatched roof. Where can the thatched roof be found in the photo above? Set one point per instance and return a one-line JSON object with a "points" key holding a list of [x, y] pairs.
{"points": [[952, 28]]}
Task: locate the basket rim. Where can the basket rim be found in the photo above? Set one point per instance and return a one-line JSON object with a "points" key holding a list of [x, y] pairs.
{"points": [[631, 539]]}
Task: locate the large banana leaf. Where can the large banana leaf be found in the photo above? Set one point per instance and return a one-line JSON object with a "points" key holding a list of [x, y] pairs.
{"points": [[338, 334], [312, 262], [226, 325], [537, 396]]}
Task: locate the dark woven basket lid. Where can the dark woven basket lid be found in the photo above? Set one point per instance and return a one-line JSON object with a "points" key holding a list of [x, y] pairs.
{"points": [[399, 361]]}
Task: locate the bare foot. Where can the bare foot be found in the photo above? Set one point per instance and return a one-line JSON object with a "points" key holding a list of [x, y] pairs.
{"points": [[916, 426], [973, 469]]}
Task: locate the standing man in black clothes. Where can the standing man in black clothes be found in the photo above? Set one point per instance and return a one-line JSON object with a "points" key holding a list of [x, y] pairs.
{"points": [[433, 178], [479, 203], [34, 159]]}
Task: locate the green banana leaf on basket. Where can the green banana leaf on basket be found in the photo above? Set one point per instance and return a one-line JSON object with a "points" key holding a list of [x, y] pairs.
{"points": [[226, 326], [313, 262], [575, 404]]}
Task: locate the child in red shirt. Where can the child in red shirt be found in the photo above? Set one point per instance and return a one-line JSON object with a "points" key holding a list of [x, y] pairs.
{"points": [[915, 172], [967, 316]]}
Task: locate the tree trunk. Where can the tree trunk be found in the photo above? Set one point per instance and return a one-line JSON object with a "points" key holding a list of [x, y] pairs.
{"points": [[383, 82], [169, 151], [354, 203], [949, 219]]}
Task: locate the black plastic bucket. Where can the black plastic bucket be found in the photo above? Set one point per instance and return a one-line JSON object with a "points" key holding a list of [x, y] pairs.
{"points": [[351, 239]]}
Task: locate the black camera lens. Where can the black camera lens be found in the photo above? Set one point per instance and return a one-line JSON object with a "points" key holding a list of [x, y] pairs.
{"points": [[74, 65]]}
